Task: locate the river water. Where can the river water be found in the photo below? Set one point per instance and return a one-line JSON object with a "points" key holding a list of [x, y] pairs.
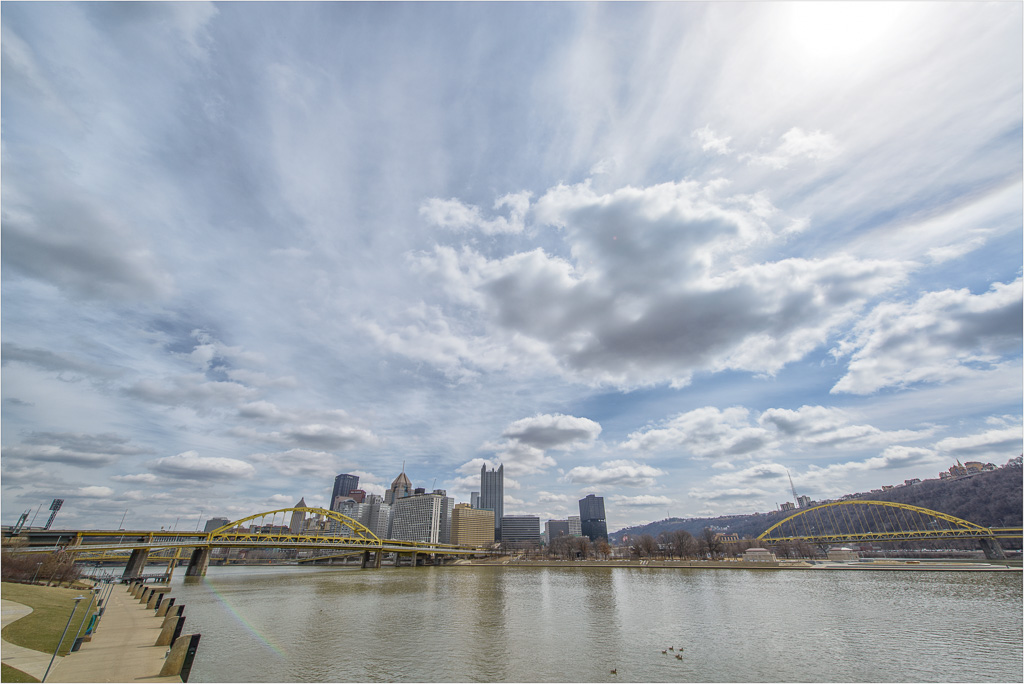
{"points": [[574, 624]]}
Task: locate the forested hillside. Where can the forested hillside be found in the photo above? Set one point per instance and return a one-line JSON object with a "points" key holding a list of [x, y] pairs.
{"points": [[992, 499]]}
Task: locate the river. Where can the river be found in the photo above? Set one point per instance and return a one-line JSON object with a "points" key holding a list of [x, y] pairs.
{"points": [[523, 624]]}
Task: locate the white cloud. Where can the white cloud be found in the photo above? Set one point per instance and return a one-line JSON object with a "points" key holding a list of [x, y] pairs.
{"points": [[711, 141], [1002, 443], [705, 432], [141, 478], [941, 337], [93, 492], [619, 473], [189, 465], [796, 144], [454, 215], [641, 500], [640, 302], [545, 431]]}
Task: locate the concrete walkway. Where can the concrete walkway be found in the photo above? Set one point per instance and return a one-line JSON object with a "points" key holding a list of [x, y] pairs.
{"points": [[25, 659], [121, 649]]}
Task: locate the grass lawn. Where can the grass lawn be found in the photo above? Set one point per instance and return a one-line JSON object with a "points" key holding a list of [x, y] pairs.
{"points": [[51, 606], [9, 674]]}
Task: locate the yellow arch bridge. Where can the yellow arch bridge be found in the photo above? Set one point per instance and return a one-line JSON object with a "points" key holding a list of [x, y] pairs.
{"points": [[329, 532], [882, 521]]}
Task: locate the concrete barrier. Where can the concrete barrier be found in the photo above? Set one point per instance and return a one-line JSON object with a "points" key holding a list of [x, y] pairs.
{"points": [[170, 631], [154, 600], [180, 658], [164, 606]]}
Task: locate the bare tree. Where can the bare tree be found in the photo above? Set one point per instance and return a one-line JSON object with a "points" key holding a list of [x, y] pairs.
{"points": [[603, 548], [582, 547], [683, 543], [645, 546], [709, 543]]}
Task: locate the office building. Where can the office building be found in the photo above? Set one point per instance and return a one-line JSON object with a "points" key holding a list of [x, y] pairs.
{"points": [[592, 520], [520, 531], [474, 500], [553, 529], [215, 523], [357, 495], [400, 488], [343, 484], [374, 514], [803, 501], [422, 518], [472, 526], [575, 529], [492, 494], [298, 517]]}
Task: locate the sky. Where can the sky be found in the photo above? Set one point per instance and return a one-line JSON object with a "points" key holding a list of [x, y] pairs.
{"points": [[671, 254]]}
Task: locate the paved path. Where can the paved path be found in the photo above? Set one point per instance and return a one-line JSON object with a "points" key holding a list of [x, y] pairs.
{"points": [[25, 659], [121, 649]]}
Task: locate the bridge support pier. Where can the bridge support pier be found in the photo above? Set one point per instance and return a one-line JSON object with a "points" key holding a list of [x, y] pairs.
{"points": [[198, 563], [378, 556], [992, 548], [136, 563]]}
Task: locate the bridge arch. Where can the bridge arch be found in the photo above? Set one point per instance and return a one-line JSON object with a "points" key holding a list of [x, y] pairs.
{"points": [[357, 532], [860, 520]]}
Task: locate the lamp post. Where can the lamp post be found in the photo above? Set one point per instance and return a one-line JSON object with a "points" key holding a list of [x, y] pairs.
{"points": [[38, 565], [78, 599]]}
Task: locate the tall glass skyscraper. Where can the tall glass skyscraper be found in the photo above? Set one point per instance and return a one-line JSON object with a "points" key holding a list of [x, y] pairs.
{"points": [[492, 494], [343, 484], [592, 519]]}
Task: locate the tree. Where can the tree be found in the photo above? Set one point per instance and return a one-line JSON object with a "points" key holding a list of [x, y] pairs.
{"points": [[709, 543], [683, 543], [645, 546], [582, 547], [603, 548]]}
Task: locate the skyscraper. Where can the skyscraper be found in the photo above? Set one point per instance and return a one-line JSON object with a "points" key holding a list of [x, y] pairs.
{"points": [[592, 519], [400, 488], [554, 529], [423, 518], [474, 500], [521, 531], [492, 494], [343, 484], [471, 526]]}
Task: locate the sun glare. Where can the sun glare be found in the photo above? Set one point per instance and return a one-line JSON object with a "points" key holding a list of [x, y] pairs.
{"points": [[831, 31]]}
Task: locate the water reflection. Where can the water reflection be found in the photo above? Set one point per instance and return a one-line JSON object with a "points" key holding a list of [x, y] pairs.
{"points": [[576, 624]]}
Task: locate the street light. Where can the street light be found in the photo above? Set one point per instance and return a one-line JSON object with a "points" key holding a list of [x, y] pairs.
{"points": [[70, 617]]}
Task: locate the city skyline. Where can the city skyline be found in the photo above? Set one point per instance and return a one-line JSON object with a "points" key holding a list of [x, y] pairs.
{"points": [[670, 254]]}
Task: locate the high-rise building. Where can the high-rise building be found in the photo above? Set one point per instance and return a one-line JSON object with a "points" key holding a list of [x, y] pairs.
{"points": [[374, 514], [423, 518], [343, 484], [474, 500], [400, 488], [492, 494], [298, 517], [358, 495], [553, 529], [520, 530], [592, 520], [575, 529], [803, 501], [472, 526], [214, 523]]}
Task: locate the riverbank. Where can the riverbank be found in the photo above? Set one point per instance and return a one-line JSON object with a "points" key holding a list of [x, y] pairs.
{"points": [[873, 564]]}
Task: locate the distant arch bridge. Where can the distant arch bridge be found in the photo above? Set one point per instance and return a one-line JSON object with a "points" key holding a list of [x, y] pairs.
{"points": [[856, 521], [330, 530]]}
